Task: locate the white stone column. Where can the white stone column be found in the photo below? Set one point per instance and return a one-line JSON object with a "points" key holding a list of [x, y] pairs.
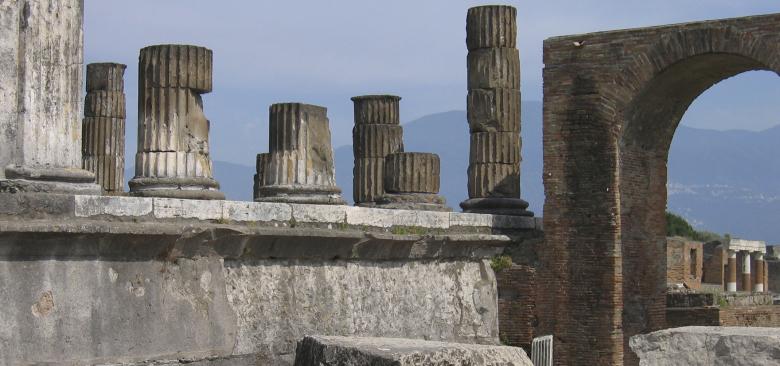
{"points": [[731, 284], [746, 282], [40, 97], [759, 283]]}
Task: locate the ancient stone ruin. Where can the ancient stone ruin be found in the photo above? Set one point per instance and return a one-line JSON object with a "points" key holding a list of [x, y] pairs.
{"points": [[40, 149], [173, 133], [173, 274], [377, 133], [494, 112], [411, 182], [299, 167], [103, 130]]}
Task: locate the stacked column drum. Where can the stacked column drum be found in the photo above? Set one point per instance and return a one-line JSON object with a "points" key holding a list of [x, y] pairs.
{"points": [[377, 133], [173, 149], [493, 105], [299, 167], [411, 182], [103, 128]]}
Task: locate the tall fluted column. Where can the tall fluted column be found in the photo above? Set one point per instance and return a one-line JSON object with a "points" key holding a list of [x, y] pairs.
{"points": [[103, 143], [40, 87], [173, 133], [759, 260], [299, 167], [377, 133], [731, 283], [746, 283], [494, 112]]}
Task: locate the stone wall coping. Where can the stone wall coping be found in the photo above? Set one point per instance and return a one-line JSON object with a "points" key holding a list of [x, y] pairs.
{"points": [[749, 245], [140, 228], [246, 212]]}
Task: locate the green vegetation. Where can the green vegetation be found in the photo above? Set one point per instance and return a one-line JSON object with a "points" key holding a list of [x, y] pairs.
{"points": [[500, 263], [408, 230], [678, 226]]}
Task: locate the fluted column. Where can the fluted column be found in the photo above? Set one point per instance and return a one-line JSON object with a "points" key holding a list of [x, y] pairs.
{"points": [[377, 133], [173, 132], [493, 105], [40, 84], [299, 167], [746, 282], [731, 282], [411, 182], [759, 283], [103, 143]]}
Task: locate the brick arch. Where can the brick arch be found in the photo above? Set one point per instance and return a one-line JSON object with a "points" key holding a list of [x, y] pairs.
{"points": [[664, 81], [612, 101]]}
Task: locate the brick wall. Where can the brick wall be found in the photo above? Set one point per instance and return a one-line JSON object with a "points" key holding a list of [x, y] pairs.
{"points": [[612, 102], [680, 266], [773, 267], [517, 305], [714, 267], [733, 316]]}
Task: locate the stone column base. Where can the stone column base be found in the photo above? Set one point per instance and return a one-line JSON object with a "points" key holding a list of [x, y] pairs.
{"points": [[496, 206], [411, 201], [316, 195], [198, 188], [49, 180]]}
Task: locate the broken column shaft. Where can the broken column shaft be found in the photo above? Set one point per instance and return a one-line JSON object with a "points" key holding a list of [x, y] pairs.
{"points": [[299, 167], [173, 133], [103, 130], [376, 134], [411, 182], [40, 82], [493, 105]]}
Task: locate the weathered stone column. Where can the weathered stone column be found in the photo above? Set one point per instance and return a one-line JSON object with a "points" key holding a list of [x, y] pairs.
{"points": [[173, 133], [731, 283], [377, 133], [40, 97], [746, 282], [759, 285], [411, 182], [299, 167], [494, 112], [103, 142]]}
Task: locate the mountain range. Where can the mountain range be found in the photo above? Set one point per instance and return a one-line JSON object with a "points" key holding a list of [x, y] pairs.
{"points": [[720, 181]]}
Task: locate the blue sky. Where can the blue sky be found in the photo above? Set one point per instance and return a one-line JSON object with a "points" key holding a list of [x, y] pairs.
{"points": [[324, 52]]}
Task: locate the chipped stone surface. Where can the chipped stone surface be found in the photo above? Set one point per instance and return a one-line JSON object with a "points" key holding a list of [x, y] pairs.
{"points": [[87, 206], [707, 346], [334, 350], [253, 211], [278, 302], [171, 208], [319, 213]]}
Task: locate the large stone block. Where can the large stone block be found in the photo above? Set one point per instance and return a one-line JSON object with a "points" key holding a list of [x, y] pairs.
{"points": [[377, 141], [176, 66], [494, 68], [495, 147], [377, 109], [101, 103], [491, 26], [706, 346], [333, 350], [493, 110], [368, 179], [494, 180], [411, 173], [106, 77]]}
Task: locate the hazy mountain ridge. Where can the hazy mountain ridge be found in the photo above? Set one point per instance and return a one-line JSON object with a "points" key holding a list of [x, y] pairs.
{"points": [[722, 181]]}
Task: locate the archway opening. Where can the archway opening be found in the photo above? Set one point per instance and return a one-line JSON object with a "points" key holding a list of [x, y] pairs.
{"points": [[649, 125]]}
